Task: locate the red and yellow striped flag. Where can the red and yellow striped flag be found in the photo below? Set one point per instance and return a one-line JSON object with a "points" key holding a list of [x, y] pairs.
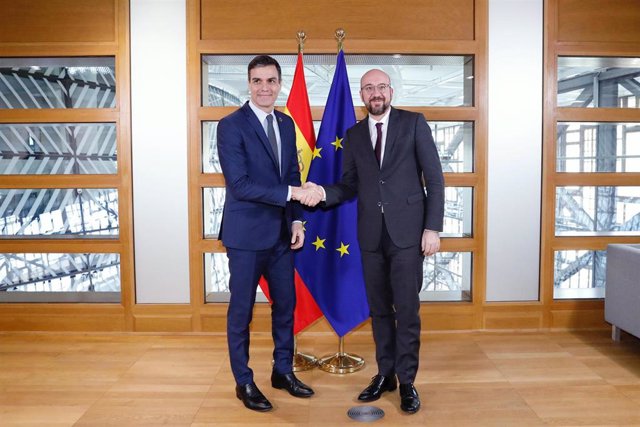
{"points": [[307, 311], [299, 110]]}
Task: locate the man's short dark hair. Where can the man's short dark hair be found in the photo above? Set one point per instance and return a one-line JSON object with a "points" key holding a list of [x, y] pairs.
{"points": [[263, 61]]}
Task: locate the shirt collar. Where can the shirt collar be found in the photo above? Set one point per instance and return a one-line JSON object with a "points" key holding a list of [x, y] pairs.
{"points": [[384, 120], [260, 114]]}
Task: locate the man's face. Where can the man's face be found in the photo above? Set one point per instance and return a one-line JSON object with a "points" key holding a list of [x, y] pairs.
{"points": [[264, 86], [374, 94]]}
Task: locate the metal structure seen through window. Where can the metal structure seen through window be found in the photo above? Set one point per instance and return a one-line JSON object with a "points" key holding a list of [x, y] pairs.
{"points": [[59, 212], [417, 80], [601, 210], [598, 147], [446, 277], [454, 141], [67, 277], [57, 83], [579, 274], [458, 213], [596, 82], [58, 149]]}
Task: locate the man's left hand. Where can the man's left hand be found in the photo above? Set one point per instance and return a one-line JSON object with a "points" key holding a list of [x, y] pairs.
{"points": [[297, 235], [430, 242]]}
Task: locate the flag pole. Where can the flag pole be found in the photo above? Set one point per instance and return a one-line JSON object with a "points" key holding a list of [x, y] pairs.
{"points": [[302, 361], [341, 362]]}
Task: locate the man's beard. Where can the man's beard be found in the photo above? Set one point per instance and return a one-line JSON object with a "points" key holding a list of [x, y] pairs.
{"points": [[377, 111]]}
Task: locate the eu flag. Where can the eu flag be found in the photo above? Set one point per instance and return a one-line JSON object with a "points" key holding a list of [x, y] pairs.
{"points": [[329, 262]]}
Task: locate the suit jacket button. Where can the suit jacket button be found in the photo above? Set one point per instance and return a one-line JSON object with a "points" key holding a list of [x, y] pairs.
{"points": [[381, 182], [379, 204]]}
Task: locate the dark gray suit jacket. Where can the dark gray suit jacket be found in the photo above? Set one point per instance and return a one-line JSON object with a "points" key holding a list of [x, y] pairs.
{"points": [[409, 156]]}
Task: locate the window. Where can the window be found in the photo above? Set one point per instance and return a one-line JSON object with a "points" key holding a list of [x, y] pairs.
{"points": [[27, 83], [63, 182], [595, 194], [418, 81], [598, 82]]}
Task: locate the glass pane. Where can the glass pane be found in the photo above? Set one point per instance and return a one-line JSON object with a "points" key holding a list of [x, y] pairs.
{"points": [[417, 80], [216, 278], [455, 145], [59, 212], [212, 204], [597, 211], [458, 216], [59, 277], [598, 82], [458, 212], [210, 160], [453, 139], [579, 274], [56, 149], [447, 277], [57, 83], [598, 147]]}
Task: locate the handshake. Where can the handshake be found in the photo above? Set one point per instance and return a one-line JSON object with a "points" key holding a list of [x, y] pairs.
{"points": [[310, 194]]}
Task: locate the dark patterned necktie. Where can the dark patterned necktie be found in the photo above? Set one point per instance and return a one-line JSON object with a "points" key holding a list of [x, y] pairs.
{"points": [[378, 148]]}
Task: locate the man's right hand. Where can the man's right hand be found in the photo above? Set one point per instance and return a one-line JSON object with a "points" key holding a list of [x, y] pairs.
{"points": [[309, 194]]}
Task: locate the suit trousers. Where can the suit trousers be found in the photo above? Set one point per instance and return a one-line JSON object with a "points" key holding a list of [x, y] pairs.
{"points": [[393, 279], [246, 267]]}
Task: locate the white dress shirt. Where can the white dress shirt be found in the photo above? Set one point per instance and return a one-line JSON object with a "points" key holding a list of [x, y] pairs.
{"points": [[373, 132], [262, 117]]}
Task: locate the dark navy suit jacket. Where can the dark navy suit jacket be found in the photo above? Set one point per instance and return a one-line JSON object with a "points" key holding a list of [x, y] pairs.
{"points": [[256, 199]]}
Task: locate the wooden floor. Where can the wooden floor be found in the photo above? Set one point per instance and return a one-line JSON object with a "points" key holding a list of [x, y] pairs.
{"points": [[500, 379]]}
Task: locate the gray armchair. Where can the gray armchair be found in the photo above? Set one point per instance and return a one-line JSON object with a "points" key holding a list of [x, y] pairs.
{"points": [[622, 295]]}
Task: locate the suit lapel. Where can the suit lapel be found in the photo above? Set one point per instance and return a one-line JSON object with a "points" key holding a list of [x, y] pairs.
{"points": [[285, 145], [362, 133], [257, 127], [392, 135]]}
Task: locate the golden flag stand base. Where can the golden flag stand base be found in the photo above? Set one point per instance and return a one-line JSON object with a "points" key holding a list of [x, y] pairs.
{"points": [[341, 362], [302, 361]]}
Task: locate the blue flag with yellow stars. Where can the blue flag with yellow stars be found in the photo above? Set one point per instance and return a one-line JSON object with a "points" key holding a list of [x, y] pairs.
{"points": [[329, 262]]}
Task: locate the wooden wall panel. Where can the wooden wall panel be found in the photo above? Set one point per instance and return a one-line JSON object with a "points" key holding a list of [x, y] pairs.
{"points": [[513, 320], [598, 21], [281, 19], [62, 317], [163, 323], [33, 21], [578, 319]]}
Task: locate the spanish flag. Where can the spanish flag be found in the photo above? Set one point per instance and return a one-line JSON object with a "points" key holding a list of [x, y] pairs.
{"points": [[307, 311]]}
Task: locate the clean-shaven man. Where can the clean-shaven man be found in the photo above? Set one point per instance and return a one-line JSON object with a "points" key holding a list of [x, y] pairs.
{"points": [[260, 227]]}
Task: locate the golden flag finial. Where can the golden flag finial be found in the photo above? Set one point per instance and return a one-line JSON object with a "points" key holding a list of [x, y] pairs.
{"points": [[340, 36], [302, 36]]}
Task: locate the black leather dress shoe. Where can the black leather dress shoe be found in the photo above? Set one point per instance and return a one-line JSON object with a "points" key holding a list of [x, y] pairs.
{"points": [[293, 385], [378, 385], [409, 399], [252, 397]]}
